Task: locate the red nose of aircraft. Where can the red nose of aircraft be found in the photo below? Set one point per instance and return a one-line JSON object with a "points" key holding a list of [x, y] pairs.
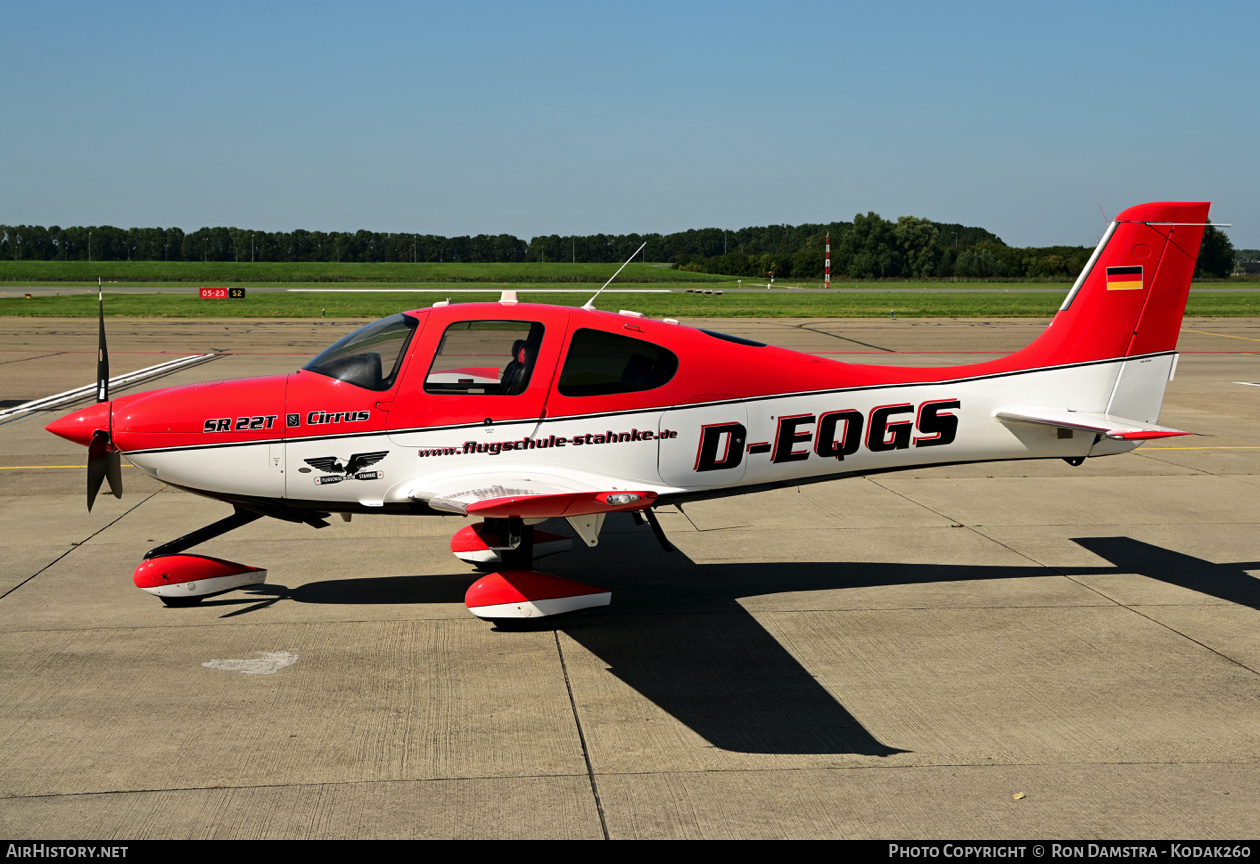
{"points": [[79, 426]]}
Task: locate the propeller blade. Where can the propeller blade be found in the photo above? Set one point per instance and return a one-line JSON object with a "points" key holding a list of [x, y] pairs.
{"points": [[102, 353], [98, 464], [113, 472]]}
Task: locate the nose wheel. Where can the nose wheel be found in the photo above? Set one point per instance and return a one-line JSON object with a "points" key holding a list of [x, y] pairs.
{"points": [[186, 580]]}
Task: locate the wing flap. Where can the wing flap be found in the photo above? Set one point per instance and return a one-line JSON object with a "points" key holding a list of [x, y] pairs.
{"points": [[530, 497], [1116, 428], [563, 505]]}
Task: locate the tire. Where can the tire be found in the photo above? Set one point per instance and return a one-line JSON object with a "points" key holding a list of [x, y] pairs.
{"points": [[181, 602]]}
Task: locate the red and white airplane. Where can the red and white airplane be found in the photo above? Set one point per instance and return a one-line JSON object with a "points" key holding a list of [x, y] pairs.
{"points": [[517, 413]]}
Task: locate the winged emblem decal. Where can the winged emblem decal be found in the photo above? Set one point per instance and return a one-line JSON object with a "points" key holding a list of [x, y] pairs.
{"points": [[352, 469]]}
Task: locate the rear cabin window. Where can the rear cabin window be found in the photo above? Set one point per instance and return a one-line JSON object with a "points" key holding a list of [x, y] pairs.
{"points": [[488, 358], [600, 364], [370, 356]]}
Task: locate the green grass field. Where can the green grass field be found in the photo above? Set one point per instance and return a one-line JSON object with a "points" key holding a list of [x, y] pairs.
{"points": [[536, 282], [769, 305]]}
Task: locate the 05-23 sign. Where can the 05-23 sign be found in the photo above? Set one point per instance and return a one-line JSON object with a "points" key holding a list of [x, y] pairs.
{"points": [[222, 293]]}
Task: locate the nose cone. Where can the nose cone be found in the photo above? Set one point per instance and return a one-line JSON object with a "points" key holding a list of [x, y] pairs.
{"points": [[79, 426]]}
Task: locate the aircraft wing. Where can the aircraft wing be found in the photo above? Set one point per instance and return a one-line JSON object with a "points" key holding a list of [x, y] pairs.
{"points": [[1117, 428], [528, 497]]}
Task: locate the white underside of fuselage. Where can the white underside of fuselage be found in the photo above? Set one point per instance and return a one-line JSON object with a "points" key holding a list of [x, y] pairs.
{"points": [[659, 450]]}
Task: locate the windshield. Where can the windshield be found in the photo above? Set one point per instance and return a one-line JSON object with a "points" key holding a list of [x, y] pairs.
{"points": [[370, 356]]}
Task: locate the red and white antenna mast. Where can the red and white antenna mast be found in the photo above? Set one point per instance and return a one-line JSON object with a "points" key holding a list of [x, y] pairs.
{"points": [[827, 271]]}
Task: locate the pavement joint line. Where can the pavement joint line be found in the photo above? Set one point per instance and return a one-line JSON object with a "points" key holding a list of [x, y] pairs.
{"points": [[967, 608], [694, 526], [297, 785], [843, 338], [936, 766], [813, 502], [76, 351], [932, 767], [118, 382], [1199, 472], [76, 546], [37, 467], [586, 756], [25, 359], [26, 414], [1224, 335], [138, 628], [1129, 607], [1134, 608]]}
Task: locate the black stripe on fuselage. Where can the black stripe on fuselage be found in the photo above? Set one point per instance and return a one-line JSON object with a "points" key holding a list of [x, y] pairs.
{"points": [[533, 421]]}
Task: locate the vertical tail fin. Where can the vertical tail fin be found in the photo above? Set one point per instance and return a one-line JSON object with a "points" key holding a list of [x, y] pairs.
{"points": [[1131, 296]]}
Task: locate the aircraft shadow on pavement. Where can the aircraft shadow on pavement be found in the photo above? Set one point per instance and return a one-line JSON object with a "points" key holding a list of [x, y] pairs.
{"points": [[677, 634], [1229, 582]]}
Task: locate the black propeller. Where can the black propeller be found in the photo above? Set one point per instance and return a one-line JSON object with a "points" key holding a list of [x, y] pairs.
{"points": [[103, 460]]}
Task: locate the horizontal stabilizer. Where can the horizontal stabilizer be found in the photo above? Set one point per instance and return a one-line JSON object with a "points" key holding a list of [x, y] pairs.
{"points": [[1117, 428]]}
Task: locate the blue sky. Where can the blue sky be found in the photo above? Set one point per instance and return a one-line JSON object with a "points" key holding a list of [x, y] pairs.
{"points": [[545, 118]]}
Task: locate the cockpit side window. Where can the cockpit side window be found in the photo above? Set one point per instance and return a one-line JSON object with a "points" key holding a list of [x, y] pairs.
{"points": [[370, 356], [489, 358], [601, 363]]}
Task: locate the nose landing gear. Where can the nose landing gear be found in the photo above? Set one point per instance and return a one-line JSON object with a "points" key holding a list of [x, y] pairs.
{"points": [[185, 580]]}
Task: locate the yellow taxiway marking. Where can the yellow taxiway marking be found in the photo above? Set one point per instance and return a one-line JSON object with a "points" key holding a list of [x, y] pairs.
{"points": [[1223, 335], [1148, 449]]}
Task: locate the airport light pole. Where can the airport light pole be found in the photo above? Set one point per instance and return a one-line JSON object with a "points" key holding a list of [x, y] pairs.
{"points": [[89, 247]]}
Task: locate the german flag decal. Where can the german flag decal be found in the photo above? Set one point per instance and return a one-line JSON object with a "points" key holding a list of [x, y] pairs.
{"points": [[1124, 278]]}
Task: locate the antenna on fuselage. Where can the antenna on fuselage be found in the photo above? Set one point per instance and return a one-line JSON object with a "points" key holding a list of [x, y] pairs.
{"points": [[590, 304]]}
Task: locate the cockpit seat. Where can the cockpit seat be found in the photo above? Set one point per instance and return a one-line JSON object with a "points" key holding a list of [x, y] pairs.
{"points": [[516, 373]]}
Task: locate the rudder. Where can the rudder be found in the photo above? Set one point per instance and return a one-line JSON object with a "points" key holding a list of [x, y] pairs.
{"points": [[1130, 298]]}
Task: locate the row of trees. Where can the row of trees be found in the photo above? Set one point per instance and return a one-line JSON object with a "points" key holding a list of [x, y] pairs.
{"points": [[869, 247], [693, 247], [107, 243]]}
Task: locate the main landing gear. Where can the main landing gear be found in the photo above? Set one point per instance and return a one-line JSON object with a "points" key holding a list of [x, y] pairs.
{"points": [[513, 593], [516, 592]]}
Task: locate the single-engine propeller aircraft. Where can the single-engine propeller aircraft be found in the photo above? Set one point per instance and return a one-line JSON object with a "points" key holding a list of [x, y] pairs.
{"points": [[516, 413]]}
